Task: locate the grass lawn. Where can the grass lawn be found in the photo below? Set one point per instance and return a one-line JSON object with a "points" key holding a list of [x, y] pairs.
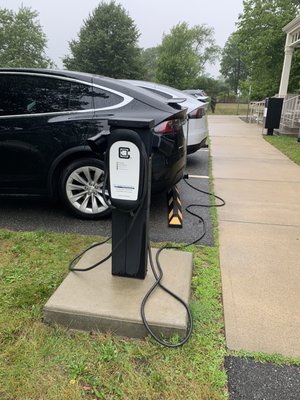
{"points": [[288, 145], [39, 362], [230, 109]]}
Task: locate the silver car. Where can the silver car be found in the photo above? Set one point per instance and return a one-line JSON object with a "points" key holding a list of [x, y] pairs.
{"points": [[197, 130], [198, 94]]}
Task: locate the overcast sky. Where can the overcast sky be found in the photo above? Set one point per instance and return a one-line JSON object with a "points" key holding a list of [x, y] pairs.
{"points": [[61, 19]]}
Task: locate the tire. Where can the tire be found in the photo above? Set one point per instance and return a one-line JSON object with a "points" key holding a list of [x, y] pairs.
{"points": [[80, 188]]}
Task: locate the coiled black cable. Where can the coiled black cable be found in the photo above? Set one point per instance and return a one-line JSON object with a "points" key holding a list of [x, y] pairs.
{"points": [[203, 191], [158, 276]]}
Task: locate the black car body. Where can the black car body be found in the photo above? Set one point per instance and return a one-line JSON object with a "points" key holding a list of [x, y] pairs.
{"points": [[46, 117]]}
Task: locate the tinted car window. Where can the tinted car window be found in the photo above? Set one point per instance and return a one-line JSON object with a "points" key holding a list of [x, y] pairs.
{"points": [[104, 98], [11, 99], [21, 94], [80, 97]]}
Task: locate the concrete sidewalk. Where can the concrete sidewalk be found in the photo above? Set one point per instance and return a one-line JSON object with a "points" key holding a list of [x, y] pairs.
{"points": [[259, 238]]}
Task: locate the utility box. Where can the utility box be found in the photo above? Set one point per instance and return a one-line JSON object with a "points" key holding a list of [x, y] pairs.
{"points": [[272, 114]]}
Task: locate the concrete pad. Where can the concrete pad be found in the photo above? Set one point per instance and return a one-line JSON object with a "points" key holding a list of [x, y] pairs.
{"points": [[261, 286], [257, 169], [261, 202], [97, 301]]}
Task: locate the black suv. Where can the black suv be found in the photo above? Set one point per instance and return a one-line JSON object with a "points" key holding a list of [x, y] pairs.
{"points": [[46, 117]]}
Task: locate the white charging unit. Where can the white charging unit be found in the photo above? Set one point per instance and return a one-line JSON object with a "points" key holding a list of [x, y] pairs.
{"points": [[124, 170]]}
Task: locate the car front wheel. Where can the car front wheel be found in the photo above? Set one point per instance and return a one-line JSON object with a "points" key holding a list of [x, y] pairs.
{"points": [[81, 188]]}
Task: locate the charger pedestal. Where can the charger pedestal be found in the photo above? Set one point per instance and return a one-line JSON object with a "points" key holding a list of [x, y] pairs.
{"points": [[130, 258], [99, 302], [132, 149]]}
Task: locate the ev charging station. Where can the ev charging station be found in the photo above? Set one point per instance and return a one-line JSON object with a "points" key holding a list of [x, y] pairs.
{"points": [[106, 299], [128, 163]]}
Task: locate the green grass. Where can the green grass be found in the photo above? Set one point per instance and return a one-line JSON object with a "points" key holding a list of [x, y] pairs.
{"points": [[230, 109], [288, 145], [42, 362], [277, 359]]}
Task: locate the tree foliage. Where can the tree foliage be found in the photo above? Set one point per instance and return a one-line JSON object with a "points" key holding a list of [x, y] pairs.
{"points": [[262, 42], [22, 41], [183, 54], [149, 61], [212, 86], [232, 66], [107, 44]]}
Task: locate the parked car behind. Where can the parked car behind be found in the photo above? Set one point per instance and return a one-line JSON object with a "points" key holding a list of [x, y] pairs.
{"points": [[46, 117], [197, 130], [199, 94]]}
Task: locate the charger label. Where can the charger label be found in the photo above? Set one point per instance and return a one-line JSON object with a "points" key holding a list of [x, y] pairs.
{"points": [[124, 152], [124, 170]]}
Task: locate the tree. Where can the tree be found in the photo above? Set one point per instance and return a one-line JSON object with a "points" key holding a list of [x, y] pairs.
{"points": [[262, 42], [212, 86], [107, 44], [149, 61], [183, 54], [22, 41], [232, 66]]}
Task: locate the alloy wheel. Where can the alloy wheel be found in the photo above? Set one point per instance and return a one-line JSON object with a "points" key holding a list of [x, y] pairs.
{"points": [[84, 189]]}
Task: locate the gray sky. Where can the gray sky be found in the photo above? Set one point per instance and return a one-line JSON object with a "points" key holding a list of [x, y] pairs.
{"points": [[61, 19]]}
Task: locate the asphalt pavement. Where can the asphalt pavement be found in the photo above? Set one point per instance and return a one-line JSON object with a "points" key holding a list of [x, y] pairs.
{"points": [[34, 213], [250, 380]]}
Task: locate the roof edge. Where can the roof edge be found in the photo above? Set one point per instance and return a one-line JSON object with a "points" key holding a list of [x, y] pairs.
{"points": [[291, 25]]}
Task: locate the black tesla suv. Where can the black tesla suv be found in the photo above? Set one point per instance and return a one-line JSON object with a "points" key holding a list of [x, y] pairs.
{"points": [[46, 118]]}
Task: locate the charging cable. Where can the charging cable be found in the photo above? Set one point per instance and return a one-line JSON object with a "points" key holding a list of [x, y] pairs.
{"points": [[159, 275], [185, 177], [158, 278]]}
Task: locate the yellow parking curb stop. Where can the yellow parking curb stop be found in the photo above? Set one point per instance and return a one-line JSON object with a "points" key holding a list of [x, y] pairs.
{"points": [[174, 208]]}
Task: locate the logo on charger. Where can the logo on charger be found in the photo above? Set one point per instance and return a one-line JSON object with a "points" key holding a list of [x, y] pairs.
{"points": [[124, 152]]}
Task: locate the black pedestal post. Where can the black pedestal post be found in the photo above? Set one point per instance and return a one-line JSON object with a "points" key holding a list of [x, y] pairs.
{"points": [[130, 254]]}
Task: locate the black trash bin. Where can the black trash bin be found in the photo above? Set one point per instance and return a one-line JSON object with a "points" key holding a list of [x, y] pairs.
{"points": [[273, 109]]}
